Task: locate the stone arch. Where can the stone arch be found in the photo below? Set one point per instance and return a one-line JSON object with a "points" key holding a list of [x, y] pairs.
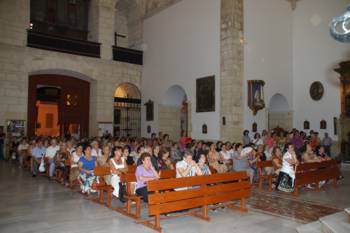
{"points": [[78, 75], [174, 113], [127, 90], [279, 114], [278, 103], [174, 96], [127, 110]]}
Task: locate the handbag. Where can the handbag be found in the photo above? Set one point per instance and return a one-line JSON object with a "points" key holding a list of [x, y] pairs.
{"points": [[42, 165]]}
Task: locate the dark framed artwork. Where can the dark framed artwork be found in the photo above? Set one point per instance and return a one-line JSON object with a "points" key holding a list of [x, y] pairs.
{"points": [[316, 90], [205, 94], [204, 129], [149, 110], [306, 125], [254, 127], [323, 124]]}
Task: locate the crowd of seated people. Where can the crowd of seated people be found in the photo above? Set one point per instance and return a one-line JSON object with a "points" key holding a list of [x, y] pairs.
{"points": [[76, 160]]}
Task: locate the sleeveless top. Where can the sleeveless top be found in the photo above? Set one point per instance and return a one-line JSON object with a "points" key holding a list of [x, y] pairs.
{"points": [[117, 166]]}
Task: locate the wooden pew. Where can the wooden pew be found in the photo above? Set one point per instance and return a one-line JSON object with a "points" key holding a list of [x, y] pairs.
{"points": [[202, 191], [102, 187], [130, 179], [261, 165], [313, 173]]}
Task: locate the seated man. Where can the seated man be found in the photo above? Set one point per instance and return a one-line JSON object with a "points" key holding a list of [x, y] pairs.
{"points": [[37, 154]]}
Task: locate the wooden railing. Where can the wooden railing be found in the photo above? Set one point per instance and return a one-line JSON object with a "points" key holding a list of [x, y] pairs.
{"points": [[61, 44], [127, 55]]}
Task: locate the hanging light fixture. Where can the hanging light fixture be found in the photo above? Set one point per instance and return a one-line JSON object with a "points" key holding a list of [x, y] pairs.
{"points": [[340, 27]]}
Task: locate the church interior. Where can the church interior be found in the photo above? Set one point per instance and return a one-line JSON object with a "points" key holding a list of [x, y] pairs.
{"points": [[175, 116]]}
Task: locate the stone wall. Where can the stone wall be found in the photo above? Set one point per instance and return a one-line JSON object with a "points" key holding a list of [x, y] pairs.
{"points": [[280, 119], [169, 121], [18, 62], [231, 54]]}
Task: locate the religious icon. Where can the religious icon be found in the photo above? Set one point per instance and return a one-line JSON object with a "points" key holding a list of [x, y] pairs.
{"points": [[306, 125], [323, 124], [256, 95], [204, 129]]}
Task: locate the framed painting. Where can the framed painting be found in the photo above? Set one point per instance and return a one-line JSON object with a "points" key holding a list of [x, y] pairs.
{"points": [[205, 94]]}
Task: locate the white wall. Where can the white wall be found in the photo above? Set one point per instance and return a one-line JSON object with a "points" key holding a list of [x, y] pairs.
{"points": [[267, 53], [182, 43], [315, 55]]}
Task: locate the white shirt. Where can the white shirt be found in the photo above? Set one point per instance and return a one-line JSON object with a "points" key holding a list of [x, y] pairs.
{"points": [[226, 154], [75, 159], [287, 167], [51, 151], [96, 153], [183, 165]]}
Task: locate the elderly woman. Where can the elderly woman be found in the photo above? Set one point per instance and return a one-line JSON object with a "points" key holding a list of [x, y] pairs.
{"points": [[287, 174], [202, 164], [276, 158], [87, 164], [103, 159], [74, 160], [144, 173], [215, 160], [240, 162], [118, 166], [61, 158]]}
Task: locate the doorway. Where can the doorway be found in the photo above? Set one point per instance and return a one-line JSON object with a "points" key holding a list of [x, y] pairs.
{"points": [[58, 106], [127, 111]]}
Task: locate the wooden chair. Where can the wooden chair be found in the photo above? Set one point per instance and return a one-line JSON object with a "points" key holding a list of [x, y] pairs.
{"points": [[261, 165], [199, 192]]}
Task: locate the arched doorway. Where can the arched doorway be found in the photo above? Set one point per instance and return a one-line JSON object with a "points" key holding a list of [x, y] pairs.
{"points": [[127, 111], [279, 115], [58, 105], [173, 113]]}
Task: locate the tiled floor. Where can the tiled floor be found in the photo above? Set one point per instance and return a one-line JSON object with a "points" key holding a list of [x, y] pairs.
{"points": [[37, 205]]}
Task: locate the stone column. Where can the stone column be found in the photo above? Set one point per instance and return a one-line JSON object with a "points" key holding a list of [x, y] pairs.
{"points": [[231, 70], [101, 25]]}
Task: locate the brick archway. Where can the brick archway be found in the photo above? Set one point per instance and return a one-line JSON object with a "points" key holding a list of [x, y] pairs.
{"points": [[73, 104]]}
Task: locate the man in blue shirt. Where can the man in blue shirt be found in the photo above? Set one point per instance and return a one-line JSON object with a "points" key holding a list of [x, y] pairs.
{"points": [[37, 153]]}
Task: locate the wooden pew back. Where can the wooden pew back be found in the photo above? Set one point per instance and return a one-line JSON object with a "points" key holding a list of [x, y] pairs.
{"points": [[196, 191]]}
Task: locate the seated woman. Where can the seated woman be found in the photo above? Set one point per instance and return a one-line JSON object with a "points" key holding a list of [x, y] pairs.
{"points": [[87, 164], [144, 173], [276, 158], [187, 166], [309, 156], [240, 160], [103, 159], [215, 160], [286, 176], [164, 162], [321, 153], [126, 155], [61, 159], [118, 166], [202, 164], [74, 160]]}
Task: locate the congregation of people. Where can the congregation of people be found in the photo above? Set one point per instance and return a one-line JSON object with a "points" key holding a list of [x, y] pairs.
{"points": [[76, 160]]}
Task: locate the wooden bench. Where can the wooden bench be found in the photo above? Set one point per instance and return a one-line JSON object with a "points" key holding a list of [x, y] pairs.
{"points": [[313, 173], [203, 191], [102, 187], [261, 165], [130, 179]]}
